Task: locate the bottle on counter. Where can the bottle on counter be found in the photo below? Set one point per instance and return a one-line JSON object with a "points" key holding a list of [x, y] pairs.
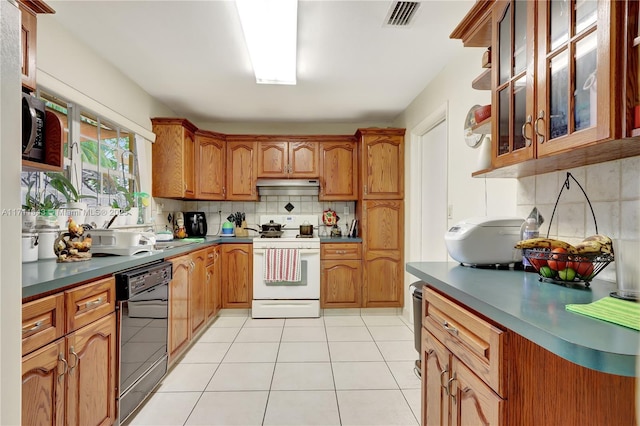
{"points": [[528, 230]]}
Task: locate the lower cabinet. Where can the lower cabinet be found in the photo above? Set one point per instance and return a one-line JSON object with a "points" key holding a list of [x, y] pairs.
{"points": [[476, 373], [341, 275], [197, 290], [179, 327], [72, 380], [213, 289], [237, 275]]}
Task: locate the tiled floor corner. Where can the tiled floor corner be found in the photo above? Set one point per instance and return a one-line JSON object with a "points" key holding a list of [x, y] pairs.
{"points": [[333, 370]]}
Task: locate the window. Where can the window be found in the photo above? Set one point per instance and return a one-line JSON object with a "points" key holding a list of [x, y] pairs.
{"points": [[99, 159]]}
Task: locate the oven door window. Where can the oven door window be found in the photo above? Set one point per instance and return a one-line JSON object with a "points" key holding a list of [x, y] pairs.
{"points": [[303, 277]]}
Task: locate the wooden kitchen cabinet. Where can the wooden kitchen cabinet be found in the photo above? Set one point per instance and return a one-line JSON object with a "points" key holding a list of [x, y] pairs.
{"points": [[28, 39], [173, 158], [341, 275], [213, 290], [382, 232], [237, 275], [477, 372], [463, 365], [241, 166], [197, 291], [210, 165], [285, 157], [564, 82], [338, 170], [179, 327], [71, 380], [381, 163]]}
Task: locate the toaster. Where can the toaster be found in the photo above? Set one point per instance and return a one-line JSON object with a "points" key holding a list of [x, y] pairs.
{"points": [[485, 241]]}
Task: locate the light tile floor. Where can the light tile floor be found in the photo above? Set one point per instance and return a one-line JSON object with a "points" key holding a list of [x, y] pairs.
{"points": [[333, 370]]}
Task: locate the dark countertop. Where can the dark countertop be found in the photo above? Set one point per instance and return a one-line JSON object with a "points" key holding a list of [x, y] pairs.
{"points": [[536, 310], [47, 276]]}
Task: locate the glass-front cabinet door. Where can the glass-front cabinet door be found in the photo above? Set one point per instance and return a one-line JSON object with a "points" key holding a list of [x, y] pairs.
{"points": [[575, 80], [514, 95]]}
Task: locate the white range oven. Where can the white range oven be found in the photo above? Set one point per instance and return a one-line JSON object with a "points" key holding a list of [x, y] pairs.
{"points": [[287, 299]]}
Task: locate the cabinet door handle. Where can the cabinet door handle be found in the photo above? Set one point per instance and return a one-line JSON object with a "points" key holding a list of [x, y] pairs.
{"points": [[208, 276], [442, 373], [365, 190], [64, 362], [210, 256], [536, 128], [451, 329], [75, 355], [341, 252], [91, 303], [451, 393], [524, 130], [36, 325]]}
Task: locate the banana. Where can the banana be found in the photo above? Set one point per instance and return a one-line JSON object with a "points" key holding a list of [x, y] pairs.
{"points": [[606, 244], [589, 247], [547, 243]]}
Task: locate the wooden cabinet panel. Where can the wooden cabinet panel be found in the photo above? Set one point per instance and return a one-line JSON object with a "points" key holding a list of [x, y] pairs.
{"points": [[42, 322], [212, 282], [338, 171], [237, 275], [303, 160], [340, 284], [381, 164], [197, 291], [91, 378], [89, 302], [472, 401], [28, 39], [470, 338], [435, 367], [210, 166], [278, 158], [242, 165], [173, 158], [43, 385], [273, 159], [179, 326], [383, 280]]}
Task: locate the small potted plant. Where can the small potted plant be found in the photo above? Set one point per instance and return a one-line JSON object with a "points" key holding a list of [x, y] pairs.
{"points": [[72, 206], [125, 204]]}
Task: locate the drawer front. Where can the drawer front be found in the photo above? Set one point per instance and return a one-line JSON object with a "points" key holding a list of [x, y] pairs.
{"points": [[89, 302], [42, 322], [339, 251], [477, 343]]}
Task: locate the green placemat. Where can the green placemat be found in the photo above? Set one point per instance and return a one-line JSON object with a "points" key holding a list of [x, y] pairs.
{"points": [[617, 311]]}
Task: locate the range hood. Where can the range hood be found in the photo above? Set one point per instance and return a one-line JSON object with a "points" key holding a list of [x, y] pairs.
{"points": [[288, 186]]}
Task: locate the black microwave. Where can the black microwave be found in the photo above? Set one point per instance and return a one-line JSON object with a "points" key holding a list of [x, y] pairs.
{"points": [[33, 125]]}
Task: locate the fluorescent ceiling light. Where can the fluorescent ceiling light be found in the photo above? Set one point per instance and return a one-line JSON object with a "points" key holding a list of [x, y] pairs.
{"points": [[270, 31]]}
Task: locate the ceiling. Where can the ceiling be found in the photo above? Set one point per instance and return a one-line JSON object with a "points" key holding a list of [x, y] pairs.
{"points": [[190, 55]]}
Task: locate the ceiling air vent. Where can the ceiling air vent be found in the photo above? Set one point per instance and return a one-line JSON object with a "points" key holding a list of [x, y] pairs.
{"points": [[401, 13]]}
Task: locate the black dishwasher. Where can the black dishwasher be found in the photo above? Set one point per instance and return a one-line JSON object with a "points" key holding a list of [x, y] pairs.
{"points": [[143, 320]]}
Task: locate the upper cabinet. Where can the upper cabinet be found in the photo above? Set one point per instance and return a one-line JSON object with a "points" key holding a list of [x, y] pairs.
{"points": [[338, 169], [381, 163], [282, 157], [173, 157], [28, 38], [210, 165], [241, 166], [564, 81]]}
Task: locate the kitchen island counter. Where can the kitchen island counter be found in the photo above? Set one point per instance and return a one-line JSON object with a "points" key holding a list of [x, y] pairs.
{"points": [[536, 310]]}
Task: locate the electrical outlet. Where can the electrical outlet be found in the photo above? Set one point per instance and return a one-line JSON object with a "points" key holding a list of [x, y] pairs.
{"points": [[450, 211], [346, 210]]}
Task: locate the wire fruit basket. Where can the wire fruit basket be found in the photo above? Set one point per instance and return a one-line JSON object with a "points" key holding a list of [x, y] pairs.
{"points": [[558, 267]]}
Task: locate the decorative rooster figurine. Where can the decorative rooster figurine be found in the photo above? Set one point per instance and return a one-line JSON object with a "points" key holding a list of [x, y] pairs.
{"points": [[74, 229]]}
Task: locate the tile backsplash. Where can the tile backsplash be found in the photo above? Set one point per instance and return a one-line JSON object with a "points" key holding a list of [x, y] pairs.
{"points": [[613, 189], [267, 205]]}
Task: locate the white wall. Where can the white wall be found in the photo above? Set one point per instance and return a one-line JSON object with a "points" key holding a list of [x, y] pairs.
{"points": [[467, 196], [10, 271]]}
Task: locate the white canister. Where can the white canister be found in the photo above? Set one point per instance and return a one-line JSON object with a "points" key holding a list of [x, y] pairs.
{"points": [[29, 246], [46, 238]]}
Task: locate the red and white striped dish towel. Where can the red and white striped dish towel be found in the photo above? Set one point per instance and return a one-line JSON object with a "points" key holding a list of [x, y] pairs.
{"points": [[281, 265]]}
